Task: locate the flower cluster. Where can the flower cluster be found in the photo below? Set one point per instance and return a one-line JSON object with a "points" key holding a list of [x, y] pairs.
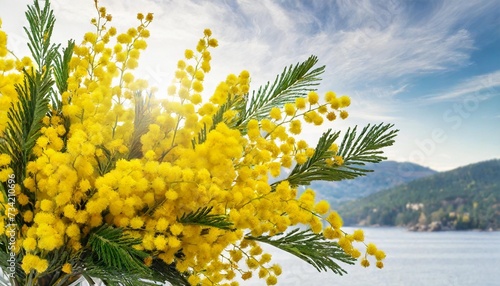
{"points": [[160, 168]]}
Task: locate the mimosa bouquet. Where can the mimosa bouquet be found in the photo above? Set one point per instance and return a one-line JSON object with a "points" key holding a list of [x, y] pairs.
{"points": [[103, 177]]}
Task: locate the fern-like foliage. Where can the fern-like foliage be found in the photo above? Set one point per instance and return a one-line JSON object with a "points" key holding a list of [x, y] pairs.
{"points": [[202, 136], [41, 24], [168, 272], [366, 147], [112, 249], [56, 259], [356, 150], [311, 247], [142, 119], [316, 168], [236, 103], [107, 163], [294, 81], [25, 119], [159, 273], [61, 74], [61, 67], [203, 217]]}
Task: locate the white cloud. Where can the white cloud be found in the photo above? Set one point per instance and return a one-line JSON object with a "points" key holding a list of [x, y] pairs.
{"points": [[481, 87], [364, 43]]}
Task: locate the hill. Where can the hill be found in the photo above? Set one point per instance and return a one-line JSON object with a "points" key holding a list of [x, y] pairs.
{"points": [[465, 198], [386, 174]]}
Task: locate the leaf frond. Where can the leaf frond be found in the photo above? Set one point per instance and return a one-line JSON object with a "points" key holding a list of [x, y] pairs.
{"points": [[366, 147], [355, 150], [235, 103], [203, 217], [142, 119], [41, 24], [113, 249], [311, 247], [168, 272], [293, 82], [61, 74], [25, 120], [315, 168]]}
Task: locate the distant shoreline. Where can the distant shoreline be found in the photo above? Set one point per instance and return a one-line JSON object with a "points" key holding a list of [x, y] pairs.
{"points": [[417, 229]]}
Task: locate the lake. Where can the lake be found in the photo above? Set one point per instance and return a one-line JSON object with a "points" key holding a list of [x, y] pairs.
{"points": [[413, 258]]}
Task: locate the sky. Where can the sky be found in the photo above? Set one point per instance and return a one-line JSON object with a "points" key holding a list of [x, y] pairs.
{"points": [[430, 67]]}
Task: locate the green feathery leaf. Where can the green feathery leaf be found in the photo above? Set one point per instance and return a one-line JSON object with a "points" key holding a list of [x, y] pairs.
{"points": [[111, 248], [41, 24], [61, 67], [168, 272], [203, 217], [356, 150], [25, 120], [295, 81], [237, 104], [234, 104], [316, 168], [56, 259], [61, 74], [366, 147], [160, 272], [311, 247], [142, 119], [202, 136]]}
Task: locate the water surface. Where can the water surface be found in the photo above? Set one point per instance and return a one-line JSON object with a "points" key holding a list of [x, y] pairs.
{"points": [[413, 259]]}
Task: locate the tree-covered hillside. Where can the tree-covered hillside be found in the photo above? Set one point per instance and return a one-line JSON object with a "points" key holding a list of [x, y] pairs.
{"points": [[464, 198], [386, 174]]}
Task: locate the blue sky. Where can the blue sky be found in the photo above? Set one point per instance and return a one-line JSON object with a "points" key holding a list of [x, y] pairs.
{"points": [[430, 67]]}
